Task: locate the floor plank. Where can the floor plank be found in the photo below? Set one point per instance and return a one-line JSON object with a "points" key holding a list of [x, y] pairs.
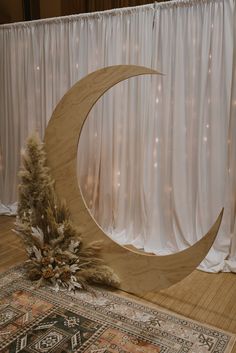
{"points": [[208, 298], [11, 250]]}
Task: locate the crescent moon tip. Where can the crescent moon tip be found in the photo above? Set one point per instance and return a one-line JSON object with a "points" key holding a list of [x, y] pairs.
{"points": [[222, 212]]}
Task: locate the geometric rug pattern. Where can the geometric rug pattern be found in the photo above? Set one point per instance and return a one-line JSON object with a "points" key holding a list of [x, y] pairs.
{"points": [[43, 321]]}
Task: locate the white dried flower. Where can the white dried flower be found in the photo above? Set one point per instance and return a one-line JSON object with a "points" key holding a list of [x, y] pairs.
{"points": [[37, 253], [73, 245], [60, 229], [37, 233], [74, 268]]}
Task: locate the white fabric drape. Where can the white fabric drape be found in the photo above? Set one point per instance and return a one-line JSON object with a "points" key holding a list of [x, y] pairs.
{"points": [[157, 160], [231, 260]]}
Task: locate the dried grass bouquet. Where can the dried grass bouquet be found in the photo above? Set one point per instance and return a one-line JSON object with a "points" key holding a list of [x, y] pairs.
{"points": [[57, 253]]}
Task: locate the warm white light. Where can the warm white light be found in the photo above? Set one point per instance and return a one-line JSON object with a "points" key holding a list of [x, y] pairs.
{"points": [[205, 139], [118, 185], [159, 87], [77, 66], [157, 100], [207, 126], [210, 56], [155, 165], [168, 189], [157, 139], [209, 71], [37, 68], [118, 173]]}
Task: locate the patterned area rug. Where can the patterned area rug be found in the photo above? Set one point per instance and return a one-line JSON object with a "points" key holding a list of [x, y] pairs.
{"points": [[46, 322]]}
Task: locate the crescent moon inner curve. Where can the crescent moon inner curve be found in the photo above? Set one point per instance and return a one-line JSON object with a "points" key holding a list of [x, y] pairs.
{"points": [[139, 272]]}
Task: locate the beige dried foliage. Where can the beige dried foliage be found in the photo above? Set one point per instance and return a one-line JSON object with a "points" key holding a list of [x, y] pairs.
{"points": [[57, 251], [100, 275]]}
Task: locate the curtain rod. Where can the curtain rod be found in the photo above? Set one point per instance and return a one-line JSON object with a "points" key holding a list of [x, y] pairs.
{"points": [[98, 14]]}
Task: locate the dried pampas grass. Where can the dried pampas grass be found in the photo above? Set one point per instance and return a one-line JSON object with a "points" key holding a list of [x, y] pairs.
{"points": [[57, 252]]}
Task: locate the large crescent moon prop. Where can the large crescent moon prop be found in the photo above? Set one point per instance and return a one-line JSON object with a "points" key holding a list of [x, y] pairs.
{"points": [[139, 272]]}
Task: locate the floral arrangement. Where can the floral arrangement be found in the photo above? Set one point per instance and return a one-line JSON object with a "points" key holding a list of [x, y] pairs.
{"points": [[57, 253]]}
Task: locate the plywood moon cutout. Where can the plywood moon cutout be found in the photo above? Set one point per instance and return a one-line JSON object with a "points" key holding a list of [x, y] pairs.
{"points": [[139, 272]]}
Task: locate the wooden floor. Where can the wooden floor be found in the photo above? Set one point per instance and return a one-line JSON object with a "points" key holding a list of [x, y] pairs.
{"points": [[208, 298]]}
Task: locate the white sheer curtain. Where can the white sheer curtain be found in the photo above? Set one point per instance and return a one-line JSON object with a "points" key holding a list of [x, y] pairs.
{"points": [[157, 160], [231, 260]]}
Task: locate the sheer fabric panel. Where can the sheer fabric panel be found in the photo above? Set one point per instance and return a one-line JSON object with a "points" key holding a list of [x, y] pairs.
{"points": [[155, 171]]}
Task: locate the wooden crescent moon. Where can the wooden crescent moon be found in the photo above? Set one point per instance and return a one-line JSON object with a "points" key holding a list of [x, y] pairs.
{"points": [[139, 272]]}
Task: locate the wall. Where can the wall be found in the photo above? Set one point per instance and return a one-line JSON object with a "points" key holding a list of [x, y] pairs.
{"points": [[11, 11]]}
